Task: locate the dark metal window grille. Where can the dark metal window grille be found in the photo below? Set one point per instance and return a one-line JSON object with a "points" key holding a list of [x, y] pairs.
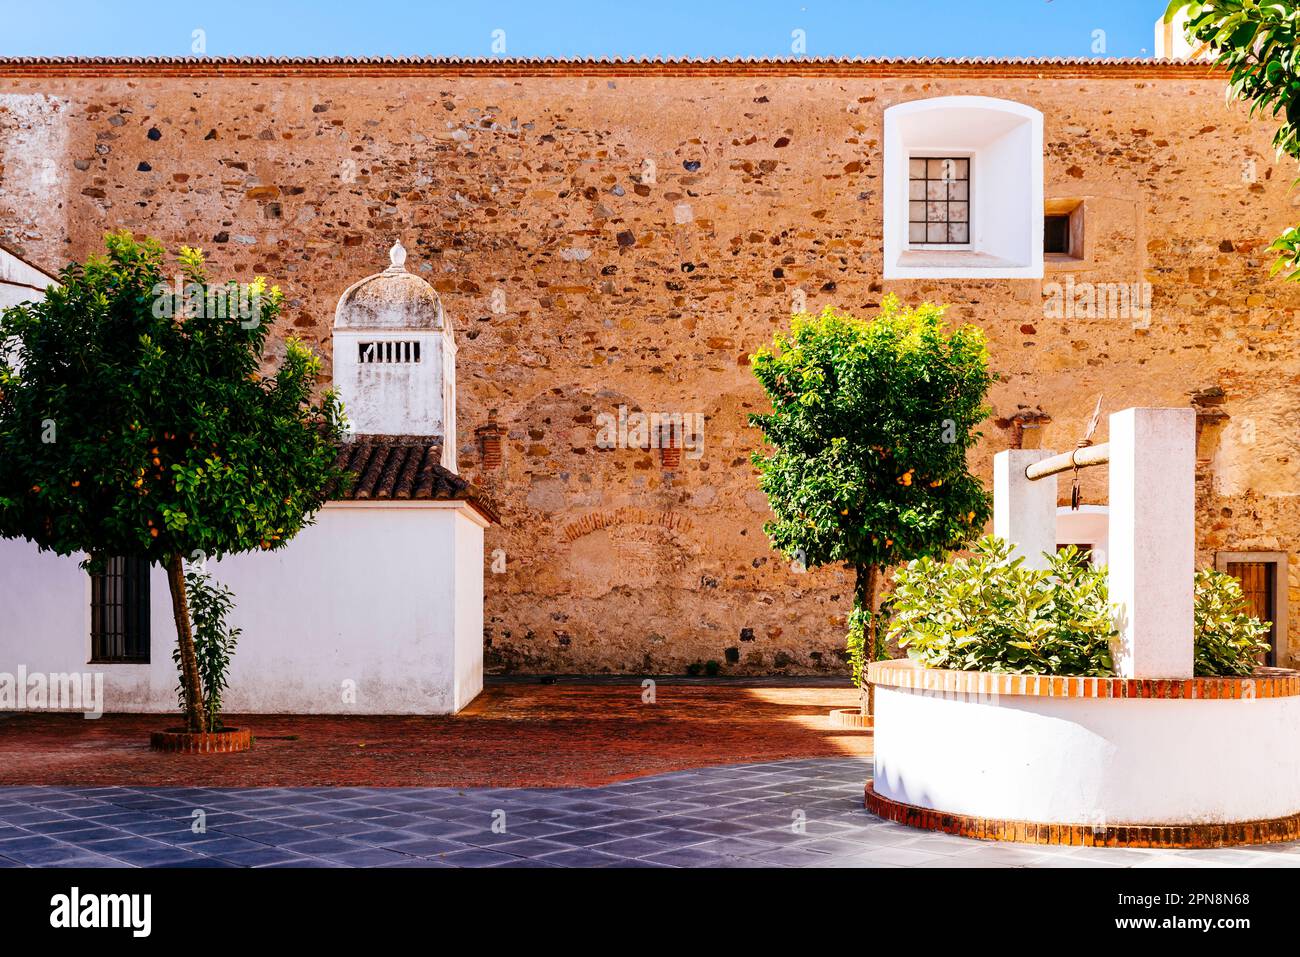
{"points": [[388, 351], [119, 611], [938, 193]]}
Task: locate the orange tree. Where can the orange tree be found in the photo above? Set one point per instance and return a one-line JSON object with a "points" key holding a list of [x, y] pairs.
{"points": [[135, 421], [870, 425]]}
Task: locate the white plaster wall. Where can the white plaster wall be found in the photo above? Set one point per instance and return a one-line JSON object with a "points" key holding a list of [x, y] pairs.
{"points": [[468, 669], [1090, 525], [381, 398], [384, 596], [1153, 540], [1024, 511], [1009, 226], [20, 282], [1087, 760]]}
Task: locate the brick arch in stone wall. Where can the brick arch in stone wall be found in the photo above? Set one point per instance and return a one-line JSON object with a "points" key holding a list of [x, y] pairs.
{"points": [[628, 548]]}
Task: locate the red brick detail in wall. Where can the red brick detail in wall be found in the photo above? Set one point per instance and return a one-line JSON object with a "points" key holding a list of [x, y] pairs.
{"points": [[670, 455], [675, 521], [1268, 831], [904, 673], [490, 441]]}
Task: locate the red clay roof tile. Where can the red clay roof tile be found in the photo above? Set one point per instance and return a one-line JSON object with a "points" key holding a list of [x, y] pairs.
{"points": [[404, 468]]}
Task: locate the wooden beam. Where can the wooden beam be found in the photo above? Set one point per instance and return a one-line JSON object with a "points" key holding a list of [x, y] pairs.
{"points": [[1066, 461]]}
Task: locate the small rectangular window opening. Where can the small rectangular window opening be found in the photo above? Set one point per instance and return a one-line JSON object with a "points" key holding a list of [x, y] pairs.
{"points": [[1056, 233]]}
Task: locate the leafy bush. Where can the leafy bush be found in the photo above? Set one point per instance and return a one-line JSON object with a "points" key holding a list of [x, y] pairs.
{"points": [[214, 641], [1228, 641], [988, 612]]}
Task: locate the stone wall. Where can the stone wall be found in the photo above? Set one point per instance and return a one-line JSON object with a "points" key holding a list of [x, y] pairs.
{"points": [[606, 236]]}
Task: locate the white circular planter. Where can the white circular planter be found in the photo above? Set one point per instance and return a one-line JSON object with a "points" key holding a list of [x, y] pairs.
{"points": [[1088, 752]]}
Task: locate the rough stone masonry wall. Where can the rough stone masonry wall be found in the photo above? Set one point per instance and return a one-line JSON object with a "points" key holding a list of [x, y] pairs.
{"points": [[618, 290]]}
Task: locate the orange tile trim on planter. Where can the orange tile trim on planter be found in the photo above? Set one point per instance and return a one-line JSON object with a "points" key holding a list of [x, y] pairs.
{"points": [[1085, 835], [905, 673], [204, 742]]}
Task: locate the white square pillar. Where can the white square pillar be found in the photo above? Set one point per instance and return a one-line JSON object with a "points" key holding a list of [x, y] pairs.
{"points": [[1153, 540], [1024, 512]]}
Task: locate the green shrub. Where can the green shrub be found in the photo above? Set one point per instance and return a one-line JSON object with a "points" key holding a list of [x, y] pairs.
{"points": [[988, 612], [210, 603], [1228, 641]]}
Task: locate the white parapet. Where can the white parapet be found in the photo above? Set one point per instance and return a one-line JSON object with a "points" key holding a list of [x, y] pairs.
{"points": [[1024, 512], [1153, 540]]}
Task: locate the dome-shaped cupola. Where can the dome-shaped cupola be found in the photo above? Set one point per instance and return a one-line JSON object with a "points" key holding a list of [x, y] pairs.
{"points": [[390, 300], [395, 358]]}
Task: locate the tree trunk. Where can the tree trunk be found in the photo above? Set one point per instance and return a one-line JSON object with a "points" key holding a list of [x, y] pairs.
{"points": [[196, 716], [866, 594]]}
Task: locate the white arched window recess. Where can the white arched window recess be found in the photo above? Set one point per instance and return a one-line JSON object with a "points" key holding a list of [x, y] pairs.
{"points": [[963, 189]]}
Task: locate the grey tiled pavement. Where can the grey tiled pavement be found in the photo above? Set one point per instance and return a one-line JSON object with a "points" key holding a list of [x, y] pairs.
{"points": [[781, 814]]}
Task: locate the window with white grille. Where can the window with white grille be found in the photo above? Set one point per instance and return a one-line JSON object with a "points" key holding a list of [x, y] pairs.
{"points": [[388, 351]]}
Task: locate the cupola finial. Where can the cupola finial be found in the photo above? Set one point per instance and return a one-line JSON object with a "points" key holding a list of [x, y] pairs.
{"points": [[397, 258]]}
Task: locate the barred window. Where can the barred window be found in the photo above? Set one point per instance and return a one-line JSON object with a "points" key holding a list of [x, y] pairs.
{"points": [[119, 612], [938, 192], [388, 351]]}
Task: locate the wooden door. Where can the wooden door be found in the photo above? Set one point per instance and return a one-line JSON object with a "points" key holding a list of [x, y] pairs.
{"points": [[1257, 584]]}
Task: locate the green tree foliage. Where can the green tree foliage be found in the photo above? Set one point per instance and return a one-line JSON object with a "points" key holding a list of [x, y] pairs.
{"points": [[134, 422], [1228, 640], [869, 429], [1256, 41]]}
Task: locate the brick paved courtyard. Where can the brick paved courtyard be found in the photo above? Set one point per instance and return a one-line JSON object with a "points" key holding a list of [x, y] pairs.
{"points": [[570, 733], [735, 816]]}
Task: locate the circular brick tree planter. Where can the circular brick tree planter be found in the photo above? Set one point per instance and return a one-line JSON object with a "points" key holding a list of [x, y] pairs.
{"points": [[177, 741], [851, 719], [1115, 762]]}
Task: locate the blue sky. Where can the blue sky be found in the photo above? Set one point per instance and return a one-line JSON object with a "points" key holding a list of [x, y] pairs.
{"points": [[577, 28]]}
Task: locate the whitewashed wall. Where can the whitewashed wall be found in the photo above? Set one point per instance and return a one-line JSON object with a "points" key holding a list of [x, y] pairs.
{"points": [[20, 282], [1089, 760], [386, 598], [1090, 525]]}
